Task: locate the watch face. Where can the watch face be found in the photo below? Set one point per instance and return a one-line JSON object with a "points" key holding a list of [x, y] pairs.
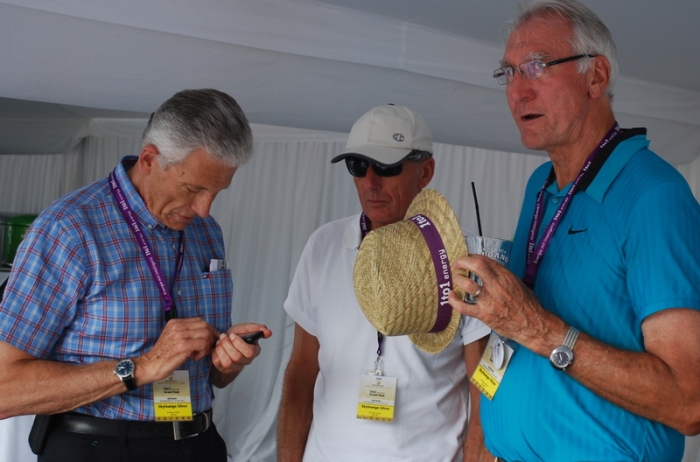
{"points": [[561, 357], [124, 368]]}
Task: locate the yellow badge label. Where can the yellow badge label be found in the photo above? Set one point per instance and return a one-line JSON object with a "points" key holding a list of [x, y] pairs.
{"points": [[375, 412], [171, 397], [377, 398], [173, 412], [485, 382], [492, 367]]}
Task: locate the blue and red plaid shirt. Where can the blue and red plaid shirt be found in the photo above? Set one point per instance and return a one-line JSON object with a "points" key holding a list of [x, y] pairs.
{"points": [[81, 291]]}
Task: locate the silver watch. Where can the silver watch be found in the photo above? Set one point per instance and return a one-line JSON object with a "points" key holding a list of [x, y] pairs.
{"points": [[563, 355]]}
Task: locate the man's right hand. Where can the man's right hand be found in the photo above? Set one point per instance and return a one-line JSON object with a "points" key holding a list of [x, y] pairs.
{"points": [[182, 339]]}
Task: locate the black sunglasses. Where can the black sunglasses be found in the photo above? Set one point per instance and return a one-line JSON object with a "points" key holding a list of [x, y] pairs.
{"points": [[358, 166]]}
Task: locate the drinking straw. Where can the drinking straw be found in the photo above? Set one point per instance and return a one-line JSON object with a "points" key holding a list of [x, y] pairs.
{"points": [[476, 204]]}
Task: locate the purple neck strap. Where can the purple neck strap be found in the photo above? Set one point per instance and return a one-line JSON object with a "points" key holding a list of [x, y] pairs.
{"points": [[169, 309], [535, 253]]}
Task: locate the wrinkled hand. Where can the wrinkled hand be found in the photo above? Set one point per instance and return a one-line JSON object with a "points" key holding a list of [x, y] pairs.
{"points": [[181, 339], [505, 303], [231, 353]]}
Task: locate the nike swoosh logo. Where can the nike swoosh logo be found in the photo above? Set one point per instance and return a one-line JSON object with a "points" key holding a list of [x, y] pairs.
{"points": [[576, 231]]}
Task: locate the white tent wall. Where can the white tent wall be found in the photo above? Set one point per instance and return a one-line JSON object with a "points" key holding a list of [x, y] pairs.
{"points": [[320, 64], [286, 191]]}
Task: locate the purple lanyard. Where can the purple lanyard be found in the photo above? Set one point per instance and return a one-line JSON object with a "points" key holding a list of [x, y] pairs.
{"points": [[364, 226], [535, 254], [364, 230], [441, 264], [170, 310]]}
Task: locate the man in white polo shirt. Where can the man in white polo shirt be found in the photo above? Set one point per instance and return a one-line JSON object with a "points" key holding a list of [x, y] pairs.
{"points": [[389, 155]]}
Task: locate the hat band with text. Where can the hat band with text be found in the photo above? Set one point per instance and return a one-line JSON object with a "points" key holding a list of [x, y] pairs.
{"points": [[442, 269]]}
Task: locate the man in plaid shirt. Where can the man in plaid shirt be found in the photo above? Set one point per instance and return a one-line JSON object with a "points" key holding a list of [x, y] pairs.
{"points": [[116, 316]]}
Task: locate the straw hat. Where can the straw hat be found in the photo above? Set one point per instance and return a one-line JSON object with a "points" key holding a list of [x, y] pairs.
{"points": [[401, 287]]}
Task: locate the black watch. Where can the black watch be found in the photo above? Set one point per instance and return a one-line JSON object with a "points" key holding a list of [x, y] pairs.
{"points": [[563, 355], [125, 371]]}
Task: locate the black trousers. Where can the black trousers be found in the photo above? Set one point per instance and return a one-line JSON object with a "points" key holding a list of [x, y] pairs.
{"points": [[63, 446]]}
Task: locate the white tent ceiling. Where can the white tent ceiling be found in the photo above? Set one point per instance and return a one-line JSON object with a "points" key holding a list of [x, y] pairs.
{"points": [[320, 64]]}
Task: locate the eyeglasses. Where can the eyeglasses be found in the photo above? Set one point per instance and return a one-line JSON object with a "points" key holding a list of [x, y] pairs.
{"points": [[531, 69], [358, 166]]}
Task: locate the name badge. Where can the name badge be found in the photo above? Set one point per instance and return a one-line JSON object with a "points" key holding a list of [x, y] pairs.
{"points": [[492, 366], [377, 398], [171, 397]]}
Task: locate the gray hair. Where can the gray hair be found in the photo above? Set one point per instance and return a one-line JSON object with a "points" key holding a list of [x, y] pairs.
{"points": [[200, 119], [418, 155], [590, 35]]}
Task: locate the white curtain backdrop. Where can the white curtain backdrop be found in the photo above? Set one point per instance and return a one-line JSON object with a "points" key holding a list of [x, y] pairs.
{"points": [[285, 192]]}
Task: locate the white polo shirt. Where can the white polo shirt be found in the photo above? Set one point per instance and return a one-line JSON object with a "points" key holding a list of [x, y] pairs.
{"points": [[432, 396]]}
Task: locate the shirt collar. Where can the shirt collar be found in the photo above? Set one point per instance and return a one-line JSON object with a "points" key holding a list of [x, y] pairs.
{"points": [[353, 234], [610, 170], [138, 206], [614, 165]]}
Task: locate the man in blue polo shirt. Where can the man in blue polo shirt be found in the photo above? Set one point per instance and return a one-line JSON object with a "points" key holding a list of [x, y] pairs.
{"points": [[598, 314]]}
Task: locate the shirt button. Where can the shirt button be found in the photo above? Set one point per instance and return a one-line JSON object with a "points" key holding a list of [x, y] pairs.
{"points": [[555, 200], [178, 292]]}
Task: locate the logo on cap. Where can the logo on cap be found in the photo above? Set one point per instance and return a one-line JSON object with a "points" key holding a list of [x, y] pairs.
{"points": [[398, 137]]}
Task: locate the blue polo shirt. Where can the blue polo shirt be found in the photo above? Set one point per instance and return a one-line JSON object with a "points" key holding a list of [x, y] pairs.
{"points": [[627, 247]]}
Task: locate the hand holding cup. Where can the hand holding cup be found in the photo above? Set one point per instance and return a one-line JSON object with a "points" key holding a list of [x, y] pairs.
{"points": [[491, 247]]}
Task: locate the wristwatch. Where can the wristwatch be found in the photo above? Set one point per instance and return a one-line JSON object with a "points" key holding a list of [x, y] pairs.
{"points": [[563, 355], [125, 371]]}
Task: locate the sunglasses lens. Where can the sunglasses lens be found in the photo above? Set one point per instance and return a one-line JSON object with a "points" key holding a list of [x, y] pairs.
{"points": [[358, 167], [387, 171]]}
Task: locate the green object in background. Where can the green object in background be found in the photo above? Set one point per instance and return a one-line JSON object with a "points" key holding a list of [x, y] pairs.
{"points": [[15, 229]]}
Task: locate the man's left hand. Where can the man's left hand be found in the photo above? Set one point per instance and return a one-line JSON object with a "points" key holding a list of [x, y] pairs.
{"points": [[505, 303], [231, 353]]}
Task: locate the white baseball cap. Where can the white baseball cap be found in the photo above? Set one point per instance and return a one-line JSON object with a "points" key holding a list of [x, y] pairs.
{"points": [[387, 134]]}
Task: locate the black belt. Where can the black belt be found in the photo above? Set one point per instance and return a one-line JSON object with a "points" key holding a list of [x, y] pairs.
{"points": [[88, 425]]}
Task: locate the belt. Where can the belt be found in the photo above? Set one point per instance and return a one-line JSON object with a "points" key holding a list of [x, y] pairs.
{"points": [[88, 425]]}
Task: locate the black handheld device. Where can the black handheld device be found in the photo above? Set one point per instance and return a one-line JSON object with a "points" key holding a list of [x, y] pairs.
{"points": [[252, 338]]}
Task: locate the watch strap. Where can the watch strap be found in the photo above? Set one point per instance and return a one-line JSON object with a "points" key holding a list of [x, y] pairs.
{"points": [[129, 382], [571, 336]]}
